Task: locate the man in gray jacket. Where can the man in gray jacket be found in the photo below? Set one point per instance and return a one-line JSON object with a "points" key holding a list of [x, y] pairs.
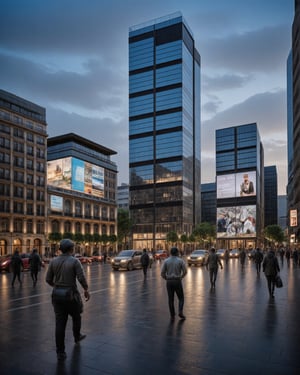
{"points": [[174, 270], [63, 271]]}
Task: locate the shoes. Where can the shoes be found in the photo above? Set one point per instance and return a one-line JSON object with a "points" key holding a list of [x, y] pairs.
{"points": [[61, 356], [172, 318], [181, 316], [80, 338]]}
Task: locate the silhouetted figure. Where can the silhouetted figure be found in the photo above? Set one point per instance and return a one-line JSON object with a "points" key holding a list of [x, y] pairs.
{"points": [[258, 258], [145, 260], [243, 257], [16, 267], [174, 270], [271, 268], [35, 263], [212, 264]]}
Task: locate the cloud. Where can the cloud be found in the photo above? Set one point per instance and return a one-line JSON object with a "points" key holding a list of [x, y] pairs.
{"points": [[262, 50], [224, 82]]}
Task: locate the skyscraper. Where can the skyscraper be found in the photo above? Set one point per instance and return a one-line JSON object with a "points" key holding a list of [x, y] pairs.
{"points": [[271, 195], [164, 130]]}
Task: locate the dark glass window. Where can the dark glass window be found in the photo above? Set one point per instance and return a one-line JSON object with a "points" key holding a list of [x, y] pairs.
{"points": [[225, 161]]}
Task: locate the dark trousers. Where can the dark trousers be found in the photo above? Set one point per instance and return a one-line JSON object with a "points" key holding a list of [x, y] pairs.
{"points": [[17, 274], [145, 270], [175, 286], [34, 274], [62, 311], [213, 272], [271, 284], [258, 267]]}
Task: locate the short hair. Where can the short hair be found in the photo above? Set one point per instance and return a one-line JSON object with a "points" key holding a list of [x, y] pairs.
{"points": [[174, 251], [213, 249], [65, 245]]}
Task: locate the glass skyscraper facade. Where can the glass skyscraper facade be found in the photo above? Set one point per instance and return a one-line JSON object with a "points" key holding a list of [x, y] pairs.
{"points": [[239, 185], [164, 131], [271, 195]]}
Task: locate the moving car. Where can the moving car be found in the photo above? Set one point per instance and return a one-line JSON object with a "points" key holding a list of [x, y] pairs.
{"points": [[197, 257], [221, 253], [160, 255], [127, 259], [234, 253], [83, 259]]}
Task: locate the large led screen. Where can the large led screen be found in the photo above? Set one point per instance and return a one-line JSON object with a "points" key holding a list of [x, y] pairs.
{"points": [[74, 174], [236, 185], [239, 221], [56, 203]]}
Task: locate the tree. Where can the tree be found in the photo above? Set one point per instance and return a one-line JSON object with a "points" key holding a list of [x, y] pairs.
{"points": [[204, 233], [124, 225], [172, 237], [55, 237], [274, 234]]}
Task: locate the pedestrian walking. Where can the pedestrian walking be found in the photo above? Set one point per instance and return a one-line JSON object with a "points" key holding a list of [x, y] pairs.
{"points": [[173, 271], [258, 258], [271, 268], [145, 260], [243, 257], [212, 265], [226, 256], [63, 271], [35, 264], [16, 267]]}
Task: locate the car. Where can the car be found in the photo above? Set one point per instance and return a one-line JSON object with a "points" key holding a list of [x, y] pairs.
{"points": [[97, 257], [83, 259], [161, 255], [5, 262], [127, 259], [197, 258], [234, 253], [221, 253]]}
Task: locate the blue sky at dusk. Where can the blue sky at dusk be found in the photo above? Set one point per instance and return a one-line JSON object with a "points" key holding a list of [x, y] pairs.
{"points": [[71, 57]]}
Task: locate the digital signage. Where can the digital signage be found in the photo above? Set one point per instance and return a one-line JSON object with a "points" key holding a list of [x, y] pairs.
{"points": [[234, 185], [238, 221], [56, 203], [293, 218], [75, 174]]}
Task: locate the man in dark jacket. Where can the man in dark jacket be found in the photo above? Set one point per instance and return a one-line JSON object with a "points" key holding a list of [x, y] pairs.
{"points": [[145, 260], [62, 274], [271, 268], [16, 266], [258, 258], [35, 263]]}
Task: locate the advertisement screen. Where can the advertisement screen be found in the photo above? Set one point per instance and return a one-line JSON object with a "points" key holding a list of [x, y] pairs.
{"points": [[239, 221], [75, 174], [236, 185], [293, 218], [56, 203]]}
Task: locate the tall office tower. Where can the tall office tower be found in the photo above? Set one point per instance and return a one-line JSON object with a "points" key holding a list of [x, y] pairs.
{"points": [[164, 131], [82, 189], [240, 182], [294, 172], [208, 203], [23, 194], [271, 195]]}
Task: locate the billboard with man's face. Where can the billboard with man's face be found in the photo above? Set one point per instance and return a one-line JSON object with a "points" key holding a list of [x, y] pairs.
{"points": [[236, 185]]}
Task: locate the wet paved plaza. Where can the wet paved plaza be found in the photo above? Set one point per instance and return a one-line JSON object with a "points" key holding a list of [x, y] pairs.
{"points": [[234, 329]]}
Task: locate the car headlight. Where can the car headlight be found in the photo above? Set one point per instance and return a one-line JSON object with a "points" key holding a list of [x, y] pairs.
{"points": [[189, 258]]}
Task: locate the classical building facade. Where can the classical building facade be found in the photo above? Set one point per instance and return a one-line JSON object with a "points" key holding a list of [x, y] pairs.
{"points": [[82, 188], [164, 131], [23, 192]]}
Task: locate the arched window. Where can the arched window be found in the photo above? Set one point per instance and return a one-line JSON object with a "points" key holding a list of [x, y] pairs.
{"points": [[87, 228], [68, 207], [87, 210], [104, 229], [77, 227], [67, 227], [55, 226], [18, 225], [78, 209], [112, 230], [4, 225], [96, 229]]}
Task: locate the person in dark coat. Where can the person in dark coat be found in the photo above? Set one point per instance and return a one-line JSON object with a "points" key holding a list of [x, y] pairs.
{"points": [[271, 268], [212, 264], [16, 266], [258, 258], [35, 263], [145, 260]]}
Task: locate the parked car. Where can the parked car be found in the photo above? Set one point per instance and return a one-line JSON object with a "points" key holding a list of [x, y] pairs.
{"points": [[127, 259], [97, 257], [221, 253], [5, 261], [234, 253], [197, 258], [161, 255]]}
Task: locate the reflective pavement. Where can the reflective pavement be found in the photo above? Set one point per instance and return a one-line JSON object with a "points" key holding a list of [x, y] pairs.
{"points": [[234, 329]]}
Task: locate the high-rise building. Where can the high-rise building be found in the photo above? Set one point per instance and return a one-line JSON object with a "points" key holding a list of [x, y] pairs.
{"points": [[82, 186], [208, 203], [164, 130], [271, 195], [23, 193], [293, 97], [123, 196], [240, 192]]}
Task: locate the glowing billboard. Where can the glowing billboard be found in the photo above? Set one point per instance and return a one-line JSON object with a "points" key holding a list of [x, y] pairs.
{"points": [[75, 174], [56, 203], [239, 221], [236, 185], [293, 218]]}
